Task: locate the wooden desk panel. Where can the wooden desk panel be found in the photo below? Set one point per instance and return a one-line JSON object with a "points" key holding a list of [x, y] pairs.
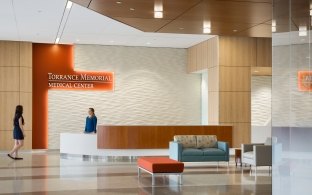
{"points": [[153, 137]]}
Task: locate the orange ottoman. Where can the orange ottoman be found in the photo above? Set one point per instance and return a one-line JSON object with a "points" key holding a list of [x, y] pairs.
{"points": [[159, 166]]}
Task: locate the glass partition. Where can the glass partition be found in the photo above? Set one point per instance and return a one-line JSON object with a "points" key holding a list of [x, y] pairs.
{"points": [[291, 97]]}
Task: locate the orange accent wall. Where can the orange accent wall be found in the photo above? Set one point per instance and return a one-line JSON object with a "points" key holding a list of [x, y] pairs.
{"points": [[46, 58], [56, 59]]}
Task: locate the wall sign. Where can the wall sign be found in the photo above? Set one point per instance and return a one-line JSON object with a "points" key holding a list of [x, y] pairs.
{"points": [[81, 81], [305, 80], [53, 69]]}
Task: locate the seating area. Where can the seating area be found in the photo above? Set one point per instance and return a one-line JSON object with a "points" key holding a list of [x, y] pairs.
{"points": [[198, 148]]}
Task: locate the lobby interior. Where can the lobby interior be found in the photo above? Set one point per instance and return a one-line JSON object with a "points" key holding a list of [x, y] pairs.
{"points": [[222, 87]]}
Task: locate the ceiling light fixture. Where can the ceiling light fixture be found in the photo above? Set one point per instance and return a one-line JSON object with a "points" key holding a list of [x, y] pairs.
{"points": [[207, 27], [63, 21], [57, 40], [273, 25], [158, 15], [303, 31], [69, 4], [207, 30], [234, 30], [132, 9], [118, 2], [148, 43], [158, 9], [181, 28]]}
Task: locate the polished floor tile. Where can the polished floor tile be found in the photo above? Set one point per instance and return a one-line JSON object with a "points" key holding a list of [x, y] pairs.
{"points": [[48, 172]]}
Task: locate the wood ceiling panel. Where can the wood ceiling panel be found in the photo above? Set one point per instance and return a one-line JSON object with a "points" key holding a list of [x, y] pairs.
{"points": [[143, 8], [229, 11], [146, 25], [196, 27], [298, 10], [84, 3], [248, 18], [261, 30]]}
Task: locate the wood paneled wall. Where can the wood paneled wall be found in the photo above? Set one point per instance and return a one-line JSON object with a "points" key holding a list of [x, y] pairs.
{"points": [[203, 55], [154, 137], [229, 78], [15, 88], [236, 56]]}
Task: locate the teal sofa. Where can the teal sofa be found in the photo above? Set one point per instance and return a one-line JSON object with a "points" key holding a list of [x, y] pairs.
{"points": [[198, 148]]}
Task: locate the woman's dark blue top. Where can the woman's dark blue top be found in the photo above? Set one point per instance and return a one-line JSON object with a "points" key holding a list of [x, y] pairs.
{"points": [[91, 124], [17, 131]]}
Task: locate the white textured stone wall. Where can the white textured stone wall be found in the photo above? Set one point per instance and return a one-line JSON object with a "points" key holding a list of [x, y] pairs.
{"points": [[151, 88], [261, 87]]}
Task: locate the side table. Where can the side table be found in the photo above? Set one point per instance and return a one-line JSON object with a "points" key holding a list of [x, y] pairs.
{"points": [[238, 156]]}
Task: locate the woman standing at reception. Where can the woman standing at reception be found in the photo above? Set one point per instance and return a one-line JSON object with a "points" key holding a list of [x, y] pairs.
{"points": [[91, 122], [18, 132]]}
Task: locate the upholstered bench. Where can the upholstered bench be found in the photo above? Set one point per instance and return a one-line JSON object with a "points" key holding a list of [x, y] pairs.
{"points": [[160, 166]]}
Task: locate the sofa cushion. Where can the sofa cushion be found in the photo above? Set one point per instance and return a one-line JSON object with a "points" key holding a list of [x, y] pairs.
{"points": [[249, 155], [206, 141], [187, 141], [192, 152], [213, 152]]}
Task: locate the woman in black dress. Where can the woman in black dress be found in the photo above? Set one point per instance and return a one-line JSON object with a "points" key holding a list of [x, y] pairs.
{"points": [[18, 132]]}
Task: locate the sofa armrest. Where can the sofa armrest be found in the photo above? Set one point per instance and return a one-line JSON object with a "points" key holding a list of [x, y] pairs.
{"points": [[263, 155], [249, 147], [224, 146], [175, 150]]}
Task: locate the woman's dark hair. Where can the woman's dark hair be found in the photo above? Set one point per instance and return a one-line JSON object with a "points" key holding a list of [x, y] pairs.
{"points": [[19, 110], [19, 113], [92, 109]]}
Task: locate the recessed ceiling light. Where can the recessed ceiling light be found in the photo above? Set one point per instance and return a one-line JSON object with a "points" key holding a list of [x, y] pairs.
{"points": [[181, 28], [158, 14], [273, 25], [234, 30], [132, 9], [77, 40], [148, 43], [303, 31], [256, 71], [207, 30], [112, 41], [118, 2], [57, 40], [69, 4], [206, 26]]}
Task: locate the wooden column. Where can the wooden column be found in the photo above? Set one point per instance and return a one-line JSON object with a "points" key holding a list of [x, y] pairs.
{"points": [[229, 79], [236, 56], [15, 88]]}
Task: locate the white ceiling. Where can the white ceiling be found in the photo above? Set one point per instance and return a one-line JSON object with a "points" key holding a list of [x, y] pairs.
{"points": [[39, 21]]}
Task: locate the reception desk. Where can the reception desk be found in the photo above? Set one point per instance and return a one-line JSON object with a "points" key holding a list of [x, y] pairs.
{"points": [[154, 137], [86, 144]]}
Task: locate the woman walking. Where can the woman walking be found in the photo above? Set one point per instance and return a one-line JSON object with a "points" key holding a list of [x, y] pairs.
{"points": [[18, 133]]}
